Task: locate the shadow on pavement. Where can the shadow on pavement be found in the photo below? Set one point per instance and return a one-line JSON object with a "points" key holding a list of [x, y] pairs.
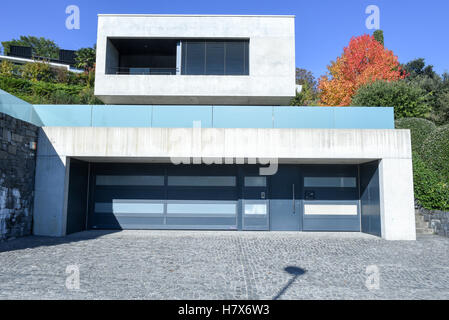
{"points": [[30, 242], [295, 272]]}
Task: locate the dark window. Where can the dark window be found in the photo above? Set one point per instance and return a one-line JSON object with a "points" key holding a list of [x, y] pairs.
{"points": [[215, 57], [212, 57], [195, 55], [235, 58]]}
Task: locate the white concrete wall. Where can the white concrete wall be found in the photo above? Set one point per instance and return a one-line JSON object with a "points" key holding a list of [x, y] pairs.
{"points": [[285, 144], [272, 61], [397, 199], [331, 146]]}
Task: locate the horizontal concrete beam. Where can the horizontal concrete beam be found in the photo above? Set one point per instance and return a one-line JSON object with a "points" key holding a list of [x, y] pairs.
{"points": [[286, 144]]}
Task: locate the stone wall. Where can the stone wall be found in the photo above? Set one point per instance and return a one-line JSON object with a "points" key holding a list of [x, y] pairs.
{"points": [[18, 140], [437, 220]]}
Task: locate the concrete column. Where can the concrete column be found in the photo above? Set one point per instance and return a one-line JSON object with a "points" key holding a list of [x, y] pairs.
{"points": [[50, 191], [397, 199]]}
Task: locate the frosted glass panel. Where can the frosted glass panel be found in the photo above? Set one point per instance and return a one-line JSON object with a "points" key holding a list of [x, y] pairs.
{"points": [[330, 182], [330, 209], [129, 180], [201, 208], [202, 181], [251, 208], [255, 181], [130, 206]]}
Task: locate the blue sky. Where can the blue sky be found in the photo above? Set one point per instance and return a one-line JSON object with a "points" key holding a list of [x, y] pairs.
{"points": [[413, 28]]}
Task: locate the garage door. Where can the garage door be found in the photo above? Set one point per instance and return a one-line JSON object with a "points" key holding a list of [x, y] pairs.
{"points": [[163, 197], [331, 199]]}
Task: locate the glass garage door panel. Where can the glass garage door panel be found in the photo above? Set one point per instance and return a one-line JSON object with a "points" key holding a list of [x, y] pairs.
{"points": [[158, 196], [202, 214], [255, 215], [331, 216], [128, 214]]}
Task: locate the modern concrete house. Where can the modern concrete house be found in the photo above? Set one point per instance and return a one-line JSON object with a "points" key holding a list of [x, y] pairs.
{"points": [[198, 135]]}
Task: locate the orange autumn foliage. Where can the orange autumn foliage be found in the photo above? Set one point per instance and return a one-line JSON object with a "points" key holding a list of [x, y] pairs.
{"points": [[365, 60]]}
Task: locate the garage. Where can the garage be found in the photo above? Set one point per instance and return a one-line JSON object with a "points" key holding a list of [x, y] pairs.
{"points": [[218, 197], [141, 196]]}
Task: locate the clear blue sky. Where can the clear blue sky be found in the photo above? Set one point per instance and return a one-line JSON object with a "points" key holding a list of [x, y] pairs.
{"points": [[413, 28]]}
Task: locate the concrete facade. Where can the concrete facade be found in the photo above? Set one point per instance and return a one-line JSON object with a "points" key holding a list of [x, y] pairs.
{"points": [[162, 145], [271, 79]]}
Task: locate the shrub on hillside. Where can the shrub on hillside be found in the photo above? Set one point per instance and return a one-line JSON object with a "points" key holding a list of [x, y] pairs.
{"points": [[408, 99], [6, 68], [419, 130], [40, 92], [435, 151], [38, 71], [431, 190]]}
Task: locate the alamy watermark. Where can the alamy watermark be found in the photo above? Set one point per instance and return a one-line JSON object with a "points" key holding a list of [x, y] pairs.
{"points": [[372, 281], [372, 22], [72, 22], [72, 281], [269, 165]]}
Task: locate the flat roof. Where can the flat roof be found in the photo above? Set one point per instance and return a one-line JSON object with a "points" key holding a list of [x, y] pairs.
{"points": [[193, 15]]}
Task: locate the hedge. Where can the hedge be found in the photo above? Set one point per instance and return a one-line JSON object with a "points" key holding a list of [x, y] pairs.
{"points": [[419, 130], [431, 190], [435, 151], [408, 99]]}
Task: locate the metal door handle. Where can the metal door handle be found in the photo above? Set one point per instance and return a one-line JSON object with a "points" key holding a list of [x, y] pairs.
{"points": [[293, 191]]}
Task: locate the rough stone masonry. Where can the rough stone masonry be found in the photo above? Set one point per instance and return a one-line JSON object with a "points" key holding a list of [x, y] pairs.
{"points": [[18, 140]]}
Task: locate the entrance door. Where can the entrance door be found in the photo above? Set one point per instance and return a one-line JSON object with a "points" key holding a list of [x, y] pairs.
{"points": [[255, 204], [285, 203]]}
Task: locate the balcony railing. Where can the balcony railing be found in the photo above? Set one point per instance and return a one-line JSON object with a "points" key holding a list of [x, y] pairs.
{"points": [[143, 71]]}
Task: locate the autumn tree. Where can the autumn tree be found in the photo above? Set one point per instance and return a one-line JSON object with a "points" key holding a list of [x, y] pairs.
{"points": [[365, 60]]}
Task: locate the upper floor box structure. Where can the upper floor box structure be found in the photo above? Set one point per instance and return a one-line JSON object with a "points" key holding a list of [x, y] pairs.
{"points": [[195, 59]]}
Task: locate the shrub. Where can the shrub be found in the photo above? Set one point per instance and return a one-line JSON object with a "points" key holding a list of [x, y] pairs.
{"points": [[87, 97], [431, 190], [408, 99], [6, 68], [40, 92], [435, 151], [63, 97], [419, 129], [15, 86], [37, 71]]}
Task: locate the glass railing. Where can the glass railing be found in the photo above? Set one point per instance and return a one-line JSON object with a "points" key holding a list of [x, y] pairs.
{"points": [[142, 71], [18, 108]]}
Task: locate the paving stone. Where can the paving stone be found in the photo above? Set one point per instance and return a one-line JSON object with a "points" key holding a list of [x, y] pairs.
{"points": [[223, 265]]}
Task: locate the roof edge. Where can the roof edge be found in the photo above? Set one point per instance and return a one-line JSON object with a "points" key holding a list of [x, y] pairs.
{"points": [[192, 15]]}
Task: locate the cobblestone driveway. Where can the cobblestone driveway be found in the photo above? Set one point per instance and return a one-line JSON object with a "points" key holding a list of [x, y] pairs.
{"points": [[223, 265]]}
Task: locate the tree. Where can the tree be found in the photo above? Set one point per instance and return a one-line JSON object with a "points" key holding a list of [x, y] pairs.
{"points": [[407, 99], [435, 86], [85, 58], [379, 36], [304, 76], [40, 47], [417, 68], [309, 93], [306, 97], [364, 61]]}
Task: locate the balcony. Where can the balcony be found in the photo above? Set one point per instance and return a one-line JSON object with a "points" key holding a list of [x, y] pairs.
{"points": [[143, 71], [217, 57]]}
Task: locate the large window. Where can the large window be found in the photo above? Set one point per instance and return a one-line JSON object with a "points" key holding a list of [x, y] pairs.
{"points": [[215, 57]]}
